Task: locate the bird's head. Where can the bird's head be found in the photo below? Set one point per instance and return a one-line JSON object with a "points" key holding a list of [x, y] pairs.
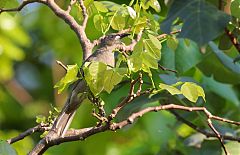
{"points": [[112, 39]]}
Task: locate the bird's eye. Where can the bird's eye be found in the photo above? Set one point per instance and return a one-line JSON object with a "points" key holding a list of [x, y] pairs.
{"points": [[117, 37]]}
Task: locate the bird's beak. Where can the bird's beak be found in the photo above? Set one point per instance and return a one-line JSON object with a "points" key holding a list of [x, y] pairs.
{"points": [[124, 35]]}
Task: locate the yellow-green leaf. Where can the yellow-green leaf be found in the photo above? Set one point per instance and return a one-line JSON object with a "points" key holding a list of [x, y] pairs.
{"points": [[100, 7], [192, 91], [172, 90], [111, 79], [70, 77]]}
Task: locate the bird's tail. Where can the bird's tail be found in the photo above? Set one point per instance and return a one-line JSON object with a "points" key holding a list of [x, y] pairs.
{"points": [[64, 119]]}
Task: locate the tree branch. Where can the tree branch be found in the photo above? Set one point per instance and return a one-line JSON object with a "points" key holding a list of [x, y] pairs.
{"points": [[38, 128]]}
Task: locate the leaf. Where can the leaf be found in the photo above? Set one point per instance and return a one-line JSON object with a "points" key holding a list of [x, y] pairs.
{"points": [[226, 91], [40, 119], [155, 5], [118, 22], [172, 90], [192, 91], [70, 77], [183, 58], [100, 7], [233, 148], [226, 60], [112, 78], [6, 149], [131, 12], [155, 41], [195, 14], [151, 49], [235, 8], [100, 22], [224, 42]]}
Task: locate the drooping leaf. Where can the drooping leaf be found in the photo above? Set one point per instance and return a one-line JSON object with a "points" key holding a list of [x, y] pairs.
{"points": [[6, 149], [70, 77], [202, 21], [172, 90], [192, 91]]}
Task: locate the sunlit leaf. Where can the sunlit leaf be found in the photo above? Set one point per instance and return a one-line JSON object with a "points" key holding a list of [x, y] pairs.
{"points": [[192, 91], [118, 22], [70, 77], [233, 148], [112, 78], [172, 90], [100, 22], [100, 7]]}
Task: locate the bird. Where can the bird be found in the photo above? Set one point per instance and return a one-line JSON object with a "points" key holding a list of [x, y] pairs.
{"points": [[104, 53]]}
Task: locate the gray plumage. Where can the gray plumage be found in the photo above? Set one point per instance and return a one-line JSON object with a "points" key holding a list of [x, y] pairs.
{"points": [[104, 53]]}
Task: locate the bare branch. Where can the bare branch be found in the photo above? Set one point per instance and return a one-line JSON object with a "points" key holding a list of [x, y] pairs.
{"points": [[62, 65], [162, 36], [21, 6], [204, 132], [38, 128], [166, 69]]}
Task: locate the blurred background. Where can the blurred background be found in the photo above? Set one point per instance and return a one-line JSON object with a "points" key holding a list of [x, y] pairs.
{"points": [[30, 43]]}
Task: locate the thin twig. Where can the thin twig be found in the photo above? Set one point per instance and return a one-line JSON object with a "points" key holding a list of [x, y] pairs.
{"points": [[166, 69], [204, 132], [21, 6], [38, 128], [218, 135], [62, 65], [162, 36]]}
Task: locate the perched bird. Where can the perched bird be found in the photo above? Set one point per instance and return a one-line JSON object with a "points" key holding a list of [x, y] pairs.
{"points": [[105, 54]]}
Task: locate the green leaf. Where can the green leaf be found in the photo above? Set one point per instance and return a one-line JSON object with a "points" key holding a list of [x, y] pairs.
{"points": [[149, 61], [6, 149], [235, 8], [100, 22], [112, 78], [155, 41], [192, 91], [233, 148], [226, 60], [94, 76], [118, 22], [40, 119], [195, 14], [224, 42], [183, 58], [172, 90], [226, 91], [70, 77], [100, 7], [151, 49]]}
